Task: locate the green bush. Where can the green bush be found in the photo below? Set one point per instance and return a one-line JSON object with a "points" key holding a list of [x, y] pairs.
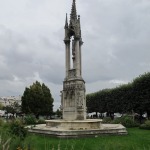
{"points": [[107, 120], [1, 122], [12, 134], [127, 121], [17, 129], [30, 120], [147, 122], [117, 121], [41, 121], [4, 125], [146, 125]]}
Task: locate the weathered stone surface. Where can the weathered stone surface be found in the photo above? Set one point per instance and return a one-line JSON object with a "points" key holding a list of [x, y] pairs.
{"points": [[74, 125], [73, 103], [111, 129]]}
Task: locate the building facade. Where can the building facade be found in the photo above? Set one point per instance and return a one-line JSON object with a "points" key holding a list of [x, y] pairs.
{"points": [[9, 100]]}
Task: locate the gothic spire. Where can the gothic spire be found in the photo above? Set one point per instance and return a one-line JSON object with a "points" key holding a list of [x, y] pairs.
{"points": [[66, 24], [73, 14]]}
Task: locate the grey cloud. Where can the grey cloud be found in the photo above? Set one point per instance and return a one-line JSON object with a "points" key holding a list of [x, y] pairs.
{"points": [[118, 28], [24, 57]]}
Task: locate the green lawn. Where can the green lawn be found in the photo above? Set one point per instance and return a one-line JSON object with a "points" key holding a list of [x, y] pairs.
{"points": [[136, 139]]}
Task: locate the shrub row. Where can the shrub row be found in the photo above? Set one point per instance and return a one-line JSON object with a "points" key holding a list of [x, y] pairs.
{"points": [[126, 121], [31, 120]]}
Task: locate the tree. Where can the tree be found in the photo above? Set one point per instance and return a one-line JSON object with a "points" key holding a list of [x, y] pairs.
{"points": [[37, 100], [127, 98], [9, 109], [48, 100], [58, 113], [14, 108], [141, 87]]}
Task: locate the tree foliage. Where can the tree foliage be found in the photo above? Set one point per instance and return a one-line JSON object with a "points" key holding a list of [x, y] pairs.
{"points": [[131, 97], [13, 108], [58, 113], [37, 99], [141, 86]]}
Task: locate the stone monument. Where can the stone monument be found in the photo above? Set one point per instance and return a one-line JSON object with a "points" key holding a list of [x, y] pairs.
{"points": [[73, 99], [73, 94]]}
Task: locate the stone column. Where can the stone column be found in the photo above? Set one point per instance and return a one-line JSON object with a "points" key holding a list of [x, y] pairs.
{"points": [[80, 57], [77, 49], [73, 53], [67, 43]]}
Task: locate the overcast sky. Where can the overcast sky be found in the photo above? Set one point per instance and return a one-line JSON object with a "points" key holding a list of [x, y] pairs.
{"points": [[116, 35]]}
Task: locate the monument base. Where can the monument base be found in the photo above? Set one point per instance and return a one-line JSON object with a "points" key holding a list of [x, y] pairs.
{"points": [[74, 125], [74, 129]]}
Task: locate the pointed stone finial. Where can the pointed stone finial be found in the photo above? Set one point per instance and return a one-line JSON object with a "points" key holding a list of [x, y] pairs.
{"points": [[73, 14], [66, 24]]}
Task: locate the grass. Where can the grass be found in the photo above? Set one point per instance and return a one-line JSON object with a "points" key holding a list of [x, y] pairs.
{"points": [[137, 139]]}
